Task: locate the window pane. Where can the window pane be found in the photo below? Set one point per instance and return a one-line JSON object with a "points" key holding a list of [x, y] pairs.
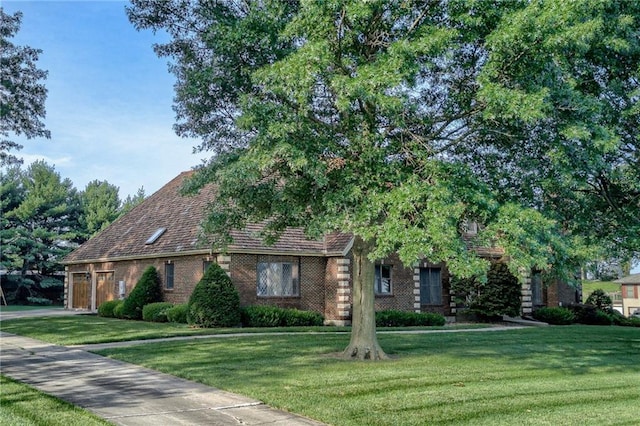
{"points": [[629, 291], [168, 275], [382, 279], [536, 289], [435, 286], [430, 286], [277, 279]]}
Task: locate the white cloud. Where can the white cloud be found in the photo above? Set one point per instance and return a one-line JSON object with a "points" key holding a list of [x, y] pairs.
{"points": [[54, 161]]}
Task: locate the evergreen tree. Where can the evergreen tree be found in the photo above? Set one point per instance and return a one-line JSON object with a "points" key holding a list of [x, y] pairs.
{"points": [[22, 93], [100, 206], [40, 219]]}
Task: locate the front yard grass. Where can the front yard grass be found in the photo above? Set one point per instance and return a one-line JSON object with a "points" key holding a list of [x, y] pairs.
{"points": [[89, 329], [571, 375], [24, 405]]}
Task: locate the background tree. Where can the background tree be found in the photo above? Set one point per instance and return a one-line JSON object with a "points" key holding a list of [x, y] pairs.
{"points": [[561, 122], [368, 117], [132, 200], [41, 221], [39, 224], [22, 93], [100, 206]]}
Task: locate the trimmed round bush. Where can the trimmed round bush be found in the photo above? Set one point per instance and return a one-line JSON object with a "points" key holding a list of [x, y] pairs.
{"points": [[106, 308], [178, 313], [147, 290], [215, 302], [395, 318], [156, 312], [555, 315], [118, 311]]}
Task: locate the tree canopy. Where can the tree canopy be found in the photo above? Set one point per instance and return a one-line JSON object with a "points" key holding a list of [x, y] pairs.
{"points": [[40, 213], [22, 92], [400, 121], [100, 206]]}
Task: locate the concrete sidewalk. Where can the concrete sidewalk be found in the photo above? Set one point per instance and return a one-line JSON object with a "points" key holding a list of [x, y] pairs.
{"points": [[126, 394]]}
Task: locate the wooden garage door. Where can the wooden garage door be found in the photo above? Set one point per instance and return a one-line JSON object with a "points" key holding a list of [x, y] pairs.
{"points": [[81, 291], [105, 287]]}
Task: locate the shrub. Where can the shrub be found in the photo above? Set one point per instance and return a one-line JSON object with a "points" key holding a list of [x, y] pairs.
{"points": [[272, 316], [156, 312], [262, 316], [147, 290], [178, 313], [215, 301], [619, 319], [589, 314], [394, 318], [603, 318], [296, 318], [500, 295], [600, 300], [106, 309], [118, 311], [555, 315]]}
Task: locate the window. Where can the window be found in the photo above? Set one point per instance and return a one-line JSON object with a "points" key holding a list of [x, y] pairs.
{"points": [[629, 293], [430, 286], [205, 265], [277, 279], [383, 279], [153, 238], [536, 289], [168, 276]]}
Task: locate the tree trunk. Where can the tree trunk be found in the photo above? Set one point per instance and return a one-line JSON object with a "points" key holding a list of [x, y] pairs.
{"points": [[364, 342]]}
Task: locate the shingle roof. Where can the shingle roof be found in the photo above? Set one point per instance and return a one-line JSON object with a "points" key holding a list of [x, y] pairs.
{"points": [[629, 279], [181, 216]]}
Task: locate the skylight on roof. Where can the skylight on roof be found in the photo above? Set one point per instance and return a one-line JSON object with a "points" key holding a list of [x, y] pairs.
{"points": [[152, 239]]}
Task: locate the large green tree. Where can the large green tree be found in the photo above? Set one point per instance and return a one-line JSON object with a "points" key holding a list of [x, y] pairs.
{"points": [[22, 92], [40, 219], [100, 206], [399, 121]]}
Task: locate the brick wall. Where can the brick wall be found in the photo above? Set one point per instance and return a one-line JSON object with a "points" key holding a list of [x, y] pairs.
{"points": [[243, 272], [187, 272], [325, 284], [402, 285], [559, 293]]}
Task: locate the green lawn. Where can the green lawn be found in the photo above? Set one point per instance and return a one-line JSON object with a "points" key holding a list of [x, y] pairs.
{"points": [[88, 329], [573, 375], [24, 405]]}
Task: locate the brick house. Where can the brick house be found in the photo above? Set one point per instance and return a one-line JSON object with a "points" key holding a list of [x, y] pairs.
{"points": [[296, 272]]}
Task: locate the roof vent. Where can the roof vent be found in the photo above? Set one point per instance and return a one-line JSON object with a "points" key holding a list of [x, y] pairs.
{"points": [[152, 239]]}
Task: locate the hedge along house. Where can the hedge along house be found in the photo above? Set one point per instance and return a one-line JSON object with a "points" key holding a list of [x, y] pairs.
{"points": [[296, 272]]}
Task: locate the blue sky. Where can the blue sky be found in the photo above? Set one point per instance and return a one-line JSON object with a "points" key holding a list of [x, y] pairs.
{"points": [[109, 106]]}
